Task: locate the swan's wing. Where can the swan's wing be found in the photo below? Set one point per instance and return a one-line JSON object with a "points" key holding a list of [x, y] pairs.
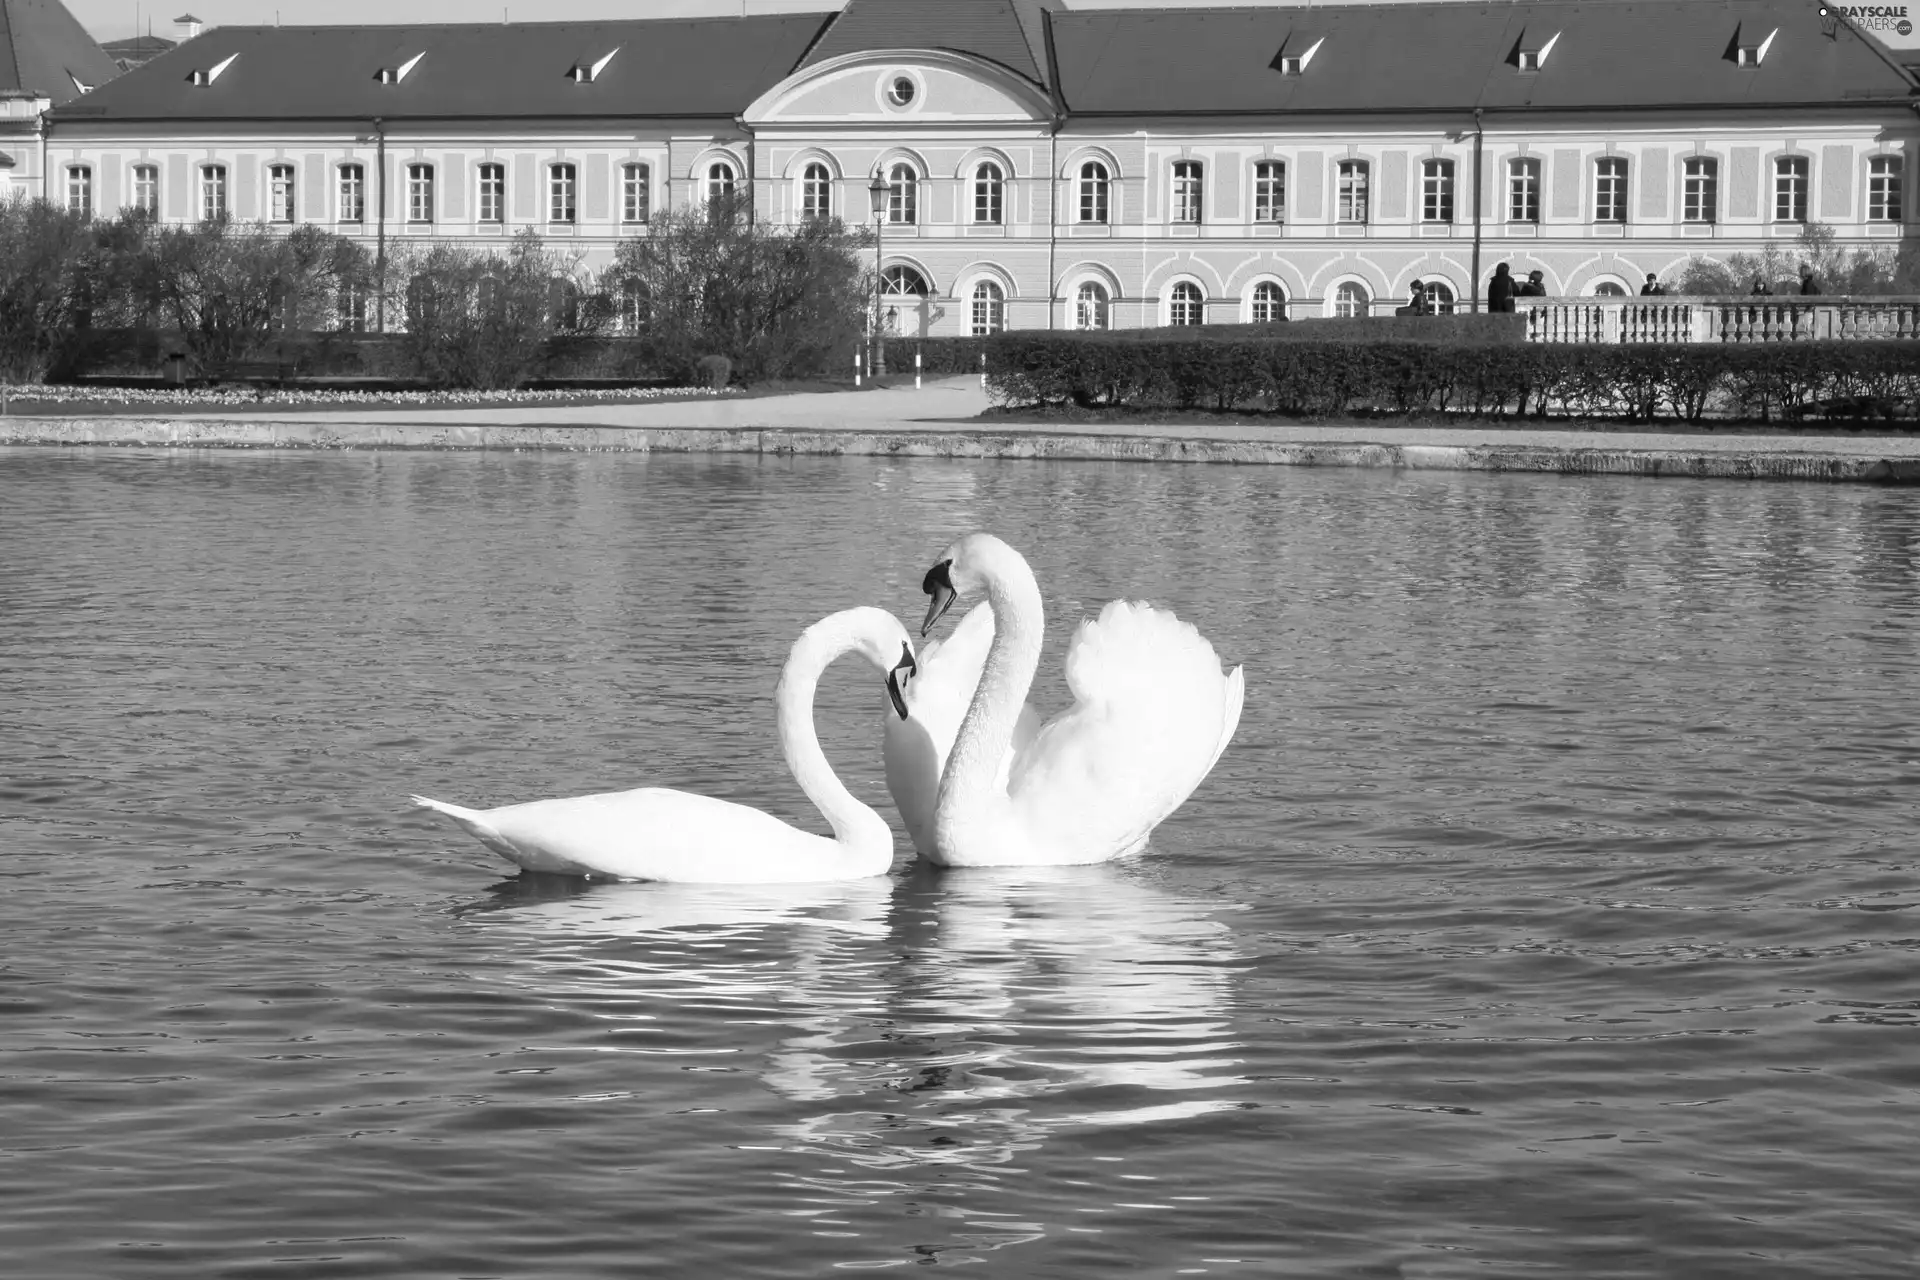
{"points": [[915, 750], [1152, 712], [651, 833]]}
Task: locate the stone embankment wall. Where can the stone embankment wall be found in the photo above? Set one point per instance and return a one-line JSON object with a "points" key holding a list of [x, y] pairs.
{"points": [[1759, 463]]}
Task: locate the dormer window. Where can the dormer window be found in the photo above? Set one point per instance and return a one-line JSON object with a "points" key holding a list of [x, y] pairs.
{"points": [[394, 75], [1293, 64], [208, 75], [79, 85], [1744, 51], [1533, 58], [588, 72]]}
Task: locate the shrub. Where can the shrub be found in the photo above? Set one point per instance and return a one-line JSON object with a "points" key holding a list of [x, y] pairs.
{"points": [[483, 320], [714, 371], [1636, 381]]}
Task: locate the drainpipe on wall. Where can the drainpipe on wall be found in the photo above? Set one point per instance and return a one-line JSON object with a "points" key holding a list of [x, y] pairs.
{"points": [[380, 221], [1479, 137], [46, 174], [1053, 219]]}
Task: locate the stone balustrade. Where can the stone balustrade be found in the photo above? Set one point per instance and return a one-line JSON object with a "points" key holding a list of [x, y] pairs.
{"points": [[1719, 319]]}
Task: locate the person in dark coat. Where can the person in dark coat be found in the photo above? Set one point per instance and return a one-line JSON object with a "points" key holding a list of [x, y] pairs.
{"points": [[1761, 289], [1535, 287], [1652, 289], [1500, 289], [1809, 283]]}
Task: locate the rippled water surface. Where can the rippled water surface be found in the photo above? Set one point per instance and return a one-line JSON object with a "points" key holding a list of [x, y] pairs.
{"points": [[1553, 913]]}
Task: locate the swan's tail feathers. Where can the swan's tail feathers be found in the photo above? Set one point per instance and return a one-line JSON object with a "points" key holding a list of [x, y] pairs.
{"points": [[474, 822], [1230, 722]]}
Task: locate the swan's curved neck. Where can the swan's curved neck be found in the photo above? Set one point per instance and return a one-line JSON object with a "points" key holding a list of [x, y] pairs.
{"points": [[863, 835], [986, 733]]}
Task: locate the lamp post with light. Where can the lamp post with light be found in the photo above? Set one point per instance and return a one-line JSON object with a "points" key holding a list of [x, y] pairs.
{"points": [[877, 196]]}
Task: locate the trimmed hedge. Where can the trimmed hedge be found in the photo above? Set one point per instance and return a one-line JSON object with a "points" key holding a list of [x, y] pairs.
{"points": [[1640, 382]]}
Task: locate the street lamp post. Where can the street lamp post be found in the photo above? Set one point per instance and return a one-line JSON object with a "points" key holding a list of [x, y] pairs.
{"points": [[877, 197]]}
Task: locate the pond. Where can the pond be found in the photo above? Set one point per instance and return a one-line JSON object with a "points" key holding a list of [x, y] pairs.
{"points": [[1553, 911]]}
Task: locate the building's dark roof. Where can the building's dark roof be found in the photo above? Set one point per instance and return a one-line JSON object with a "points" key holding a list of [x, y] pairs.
{"points": [[1422, 57], [665, 67], [138, 47], [44, 50], [1009, 32]]}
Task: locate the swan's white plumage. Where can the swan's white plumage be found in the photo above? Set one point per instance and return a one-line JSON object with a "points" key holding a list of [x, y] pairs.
{"points": [[654, 833], [916, 748], [1152, 713]]}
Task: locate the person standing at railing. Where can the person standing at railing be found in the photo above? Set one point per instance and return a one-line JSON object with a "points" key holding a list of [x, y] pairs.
{"points": [[1500, 289], [1652, 288], [1761, 289], [1535, 286], [1809, 283]]}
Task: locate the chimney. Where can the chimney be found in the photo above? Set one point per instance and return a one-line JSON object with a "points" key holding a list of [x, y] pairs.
{"points": [[189, 26]]}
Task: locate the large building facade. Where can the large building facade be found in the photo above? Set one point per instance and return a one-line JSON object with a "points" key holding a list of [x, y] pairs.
{"points": [[1050, 167]]}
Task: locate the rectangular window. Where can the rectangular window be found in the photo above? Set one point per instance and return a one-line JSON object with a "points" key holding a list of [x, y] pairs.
{"points": [[493, 193], [1093, 192], [1883, 189], [1523, 190], [1700, 189], [146, 189], [1269, 191], [635, 199], [1610, 190], [1436, 191], [1353, 191], [560, 190], [1186, 190], [1790, 189], [213, 192], [419, 193], [80, 190], [903, 195], [353, 193], [280, 205]]}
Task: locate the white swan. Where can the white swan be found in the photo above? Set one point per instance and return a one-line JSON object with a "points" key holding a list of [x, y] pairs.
{"points": [[1152, 713], [654, 833], [915, 746]]}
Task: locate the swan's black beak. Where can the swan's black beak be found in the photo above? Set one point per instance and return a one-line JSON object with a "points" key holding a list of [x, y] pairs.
{"points": [[897, 678], [939, 585]]}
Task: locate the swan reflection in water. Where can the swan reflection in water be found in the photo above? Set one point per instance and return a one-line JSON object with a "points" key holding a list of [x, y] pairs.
{"points": [[922, 1028]]}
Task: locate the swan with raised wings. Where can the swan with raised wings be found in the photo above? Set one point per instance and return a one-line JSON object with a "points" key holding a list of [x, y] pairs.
{"points": [[915, 746], [1152, 712], [655, 833]]}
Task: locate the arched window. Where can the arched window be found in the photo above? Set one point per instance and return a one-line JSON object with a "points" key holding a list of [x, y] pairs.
{"points": [[1609, 289], [1269, 303], [636, 305], [1523, 190], [563, 303], [1351, 299], [1093, 192], [903, 282], [1188, 179], [989, 308], [903, 195], [281, 205], [146, 189], [1610, 189], [816, 192], [350, 308], [419, 193], [1269, 191], [80, 190], [1185, 306], [721, 179], [989, 190], [493, 193], [1090, 306], [1440, 297], [213, 192]]}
